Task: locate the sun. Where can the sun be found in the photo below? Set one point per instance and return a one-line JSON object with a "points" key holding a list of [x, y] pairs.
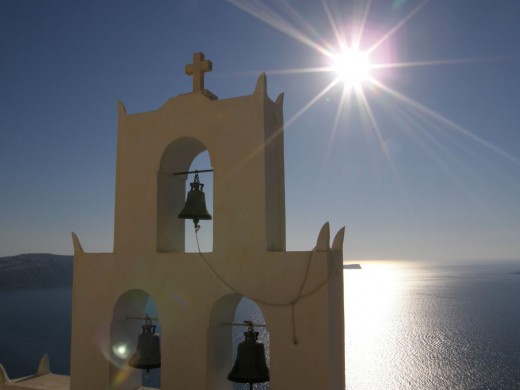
{"points": [[351, 66]]}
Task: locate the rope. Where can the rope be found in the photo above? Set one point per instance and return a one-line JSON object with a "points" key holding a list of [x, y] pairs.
{"points": [[292, 303]]}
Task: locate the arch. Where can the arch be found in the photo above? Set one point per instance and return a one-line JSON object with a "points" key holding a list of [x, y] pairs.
{"points": [[204, 242], [124, 330], [223, 339], [219, 342], [248, 310], [177, 157]]}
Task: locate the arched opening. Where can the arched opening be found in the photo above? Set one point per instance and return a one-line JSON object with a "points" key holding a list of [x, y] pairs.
{"points": [[223, 339], [248, 310], [125, 328], [205, 233], [182, 155]]}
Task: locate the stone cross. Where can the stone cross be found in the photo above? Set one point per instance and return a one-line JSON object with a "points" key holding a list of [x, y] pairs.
{"points": [[197, 70]]}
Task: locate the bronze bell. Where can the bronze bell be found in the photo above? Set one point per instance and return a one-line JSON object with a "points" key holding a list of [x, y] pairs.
{"points": [[148, 352], [195, 207], [250, 365]]}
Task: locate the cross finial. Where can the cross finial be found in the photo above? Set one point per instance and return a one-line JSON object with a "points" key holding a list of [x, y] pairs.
{"points": [[197, 70]]}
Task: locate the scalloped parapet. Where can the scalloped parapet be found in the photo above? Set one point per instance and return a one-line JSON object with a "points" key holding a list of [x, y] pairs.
{"points": [[322, 244], [78, 249], [279, 100], [42, 380], [4, 378], [121, 109], [300, 293], [337, 257], [44, 366], [337, 244], [261, 85]]}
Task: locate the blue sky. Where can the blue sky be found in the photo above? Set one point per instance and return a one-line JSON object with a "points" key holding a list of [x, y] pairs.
{"points": [[424, 163]]}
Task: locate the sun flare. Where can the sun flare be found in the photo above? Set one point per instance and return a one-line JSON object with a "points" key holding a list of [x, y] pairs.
{"points": [[361, 74], [352, 67]]}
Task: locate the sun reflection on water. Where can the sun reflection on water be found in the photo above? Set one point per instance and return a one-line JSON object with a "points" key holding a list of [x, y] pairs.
{"points": [[432, 325], [372, 311]]}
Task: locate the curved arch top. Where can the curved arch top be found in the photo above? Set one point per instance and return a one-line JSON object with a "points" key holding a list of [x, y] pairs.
{"points": [[179, 154], [244, 138], [130, 303], [177, 157], [129, 310]]}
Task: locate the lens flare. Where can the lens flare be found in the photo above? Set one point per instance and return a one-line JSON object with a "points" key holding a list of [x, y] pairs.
{"points": [[351, 67], [121, 350], [362, 57]]}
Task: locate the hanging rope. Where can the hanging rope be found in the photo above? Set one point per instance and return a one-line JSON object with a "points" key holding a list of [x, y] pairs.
{"points": [[291, 303]]}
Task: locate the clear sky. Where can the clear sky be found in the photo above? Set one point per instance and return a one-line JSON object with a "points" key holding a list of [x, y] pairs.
{"points": [[421, 161]]}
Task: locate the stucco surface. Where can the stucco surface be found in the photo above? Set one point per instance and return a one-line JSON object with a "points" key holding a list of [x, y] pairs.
{"points": [[300, 293]]}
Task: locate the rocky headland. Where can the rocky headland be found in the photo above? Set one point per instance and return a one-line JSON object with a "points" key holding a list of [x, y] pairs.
{"points": [[35, 270]]}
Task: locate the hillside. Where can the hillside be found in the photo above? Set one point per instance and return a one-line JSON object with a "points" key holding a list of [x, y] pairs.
{"points": [[35, 270]]}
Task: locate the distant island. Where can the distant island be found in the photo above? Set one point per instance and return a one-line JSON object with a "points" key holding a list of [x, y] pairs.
{"points": [[352, 266], [515, 273], [35, 270], [45, 270]]}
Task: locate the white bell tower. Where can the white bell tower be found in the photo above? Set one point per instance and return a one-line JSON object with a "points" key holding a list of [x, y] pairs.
{"points": [[300, 293]]}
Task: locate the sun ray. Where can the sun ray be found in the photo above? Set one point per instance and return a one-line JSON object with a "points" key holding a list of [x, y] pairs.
{"points": [[394, 29], [341, 44], [345, 94], [395, 65], [321, 69], [313, 101], [445, 162], [446, 121], [266, 15], [445, 159], [340, 40], [379, 136], [359, 32], [302, 21], [333, 25]]}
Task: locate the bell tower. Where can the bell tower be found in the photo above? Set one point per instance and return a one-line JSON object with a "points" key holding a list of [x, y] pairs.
{"points": [[300, 293]]}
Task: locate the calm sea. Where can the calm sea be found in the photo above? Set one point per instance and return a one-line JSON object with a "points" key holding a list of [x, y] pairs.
{"points": [[452, 325], [408, 325], [32, 323]]}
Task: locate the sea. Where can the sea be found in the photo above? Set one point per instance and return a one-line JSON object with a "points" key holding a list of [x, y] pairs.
{"points": [[408, 325]]}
